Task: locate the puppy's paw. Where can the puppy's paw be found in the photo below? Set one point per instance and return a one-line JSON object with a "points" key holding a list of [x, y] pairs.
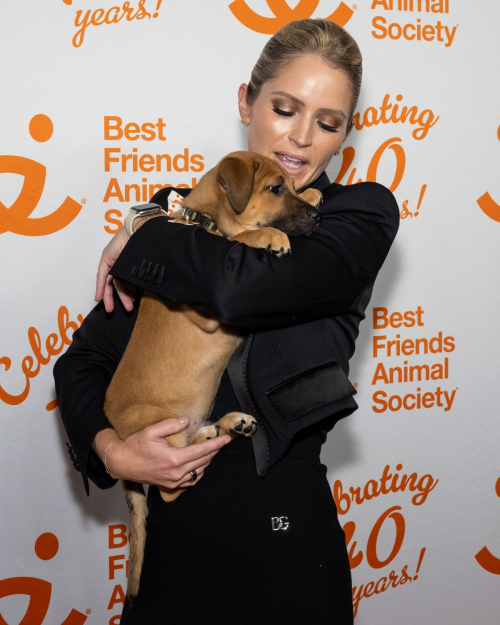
{"points": [[273, 241], [238, 425], [269, 239], [278, 253], [312, 196], [245, 427]]}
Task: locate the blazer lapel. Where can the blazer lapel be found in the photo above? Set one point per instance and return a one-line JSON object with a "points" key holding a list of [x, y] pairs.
{"points": [[236, 370]]}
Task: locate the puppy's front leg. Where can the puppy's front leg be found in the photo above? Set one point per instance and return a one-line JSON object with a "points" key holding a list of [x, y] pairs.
{"points": [[270, 239], [312, 197]]}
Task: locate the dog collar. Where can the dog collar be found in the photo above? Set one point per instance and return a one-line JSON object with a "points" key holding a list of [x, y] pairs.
{"points": [[189, 214]]}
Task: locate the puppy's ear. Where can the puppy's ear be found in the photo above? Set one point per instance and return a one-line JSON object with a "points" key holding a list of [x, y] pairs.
{"points": [[236, 178]]}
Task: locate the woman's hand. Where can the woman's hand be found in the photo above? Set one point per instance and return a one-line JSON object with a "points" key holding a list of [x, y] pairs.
{"points": [[104, 282], [146, 456]]}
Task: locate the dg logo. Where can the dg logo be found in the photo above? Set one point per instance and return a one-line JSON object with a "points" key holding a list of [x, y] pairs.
{"points": [[283, 14], [279, 523]]}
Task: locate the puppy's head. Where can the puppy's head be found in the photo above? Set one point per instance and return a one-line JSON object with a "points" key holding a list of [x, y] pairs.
{"points": [[255, 191]]}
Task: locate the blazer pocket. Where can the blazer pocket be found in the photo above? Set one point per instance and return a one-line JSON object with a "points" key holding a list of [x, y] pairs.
{"points": [[310, 391]]}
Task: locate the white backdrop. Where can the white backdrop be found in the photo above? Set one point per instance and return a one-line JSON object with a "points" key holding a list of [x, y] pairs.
{"points": [[415, 470]]}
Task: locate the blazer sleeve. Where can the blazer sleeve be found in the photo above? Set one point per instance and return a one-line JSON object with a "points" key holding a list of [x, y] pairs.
{"points": [[82, 375], [252, 289]]}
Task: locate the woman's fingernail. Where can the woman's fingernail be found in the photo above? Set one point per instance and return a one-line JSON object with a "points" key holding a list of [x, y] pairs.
{"points": [[183, 420]]}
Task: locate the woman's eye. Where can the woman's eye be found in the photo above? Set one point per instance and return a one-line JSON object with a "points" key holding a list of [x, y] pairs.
{"points": [[282, 112], [276, 189], [327, 127]]}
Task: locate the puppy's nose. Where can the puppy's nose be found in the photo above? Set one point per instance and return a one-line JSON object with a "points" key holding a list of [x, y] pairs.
{"points": [[314, 214]]}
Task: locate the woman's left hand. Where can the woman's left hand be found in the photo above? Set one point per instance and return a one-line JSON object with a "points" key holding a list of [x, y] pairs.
{"points": [[104, 282]]}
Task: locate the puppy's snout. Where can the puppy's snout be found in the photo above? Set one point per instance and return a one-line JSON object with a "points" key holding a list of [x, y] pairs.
{"points": [[314, 214], [299, 219]]}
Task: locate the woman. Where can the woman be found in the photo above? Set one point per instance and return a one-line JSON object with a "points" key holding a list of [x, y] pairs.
{"points": [[256, 538]]}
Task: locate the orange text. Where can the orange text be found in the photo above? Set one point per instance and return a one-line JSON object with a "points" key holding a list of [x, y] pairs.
{"points": [[32, 363], [149, 131], [389, 113], [138, 192], [382, 319], [152, 162], [407, 347], [393, 580], [112, 15], [440, 398], [387, 483]]}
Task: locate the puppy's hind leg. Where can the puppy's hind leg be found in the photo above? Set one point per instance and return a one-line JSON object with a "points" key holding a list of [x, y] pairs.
{"points": [[236, 424], [136, 501], [131, 420]]}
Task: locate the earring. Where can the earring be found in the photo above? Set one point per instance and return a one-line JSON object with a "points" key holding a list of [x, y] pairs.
{"points": [[244, 123]]}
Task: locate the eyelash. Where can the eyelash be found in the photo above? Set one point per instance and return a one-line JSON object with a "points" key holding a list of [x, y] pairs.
{"points": [[327, 127], [322, 125]]}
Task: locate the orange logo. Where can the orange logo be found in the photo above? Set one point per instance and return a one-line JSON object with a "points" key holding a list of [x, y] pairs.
{"points": [[38, 590], [17, 218], [284, 14], [485, 558], [487, 204], [407, 372]]}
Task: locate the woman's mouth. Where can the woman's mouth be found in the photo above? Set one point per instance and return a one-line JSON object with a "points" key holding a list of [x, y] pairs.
{"points": [[292, 164]]}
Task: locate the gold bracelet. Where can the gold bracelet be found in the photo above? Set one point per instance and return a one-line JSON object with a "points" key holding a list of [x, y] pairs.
{"points": [[105, 461], [142, 221]]}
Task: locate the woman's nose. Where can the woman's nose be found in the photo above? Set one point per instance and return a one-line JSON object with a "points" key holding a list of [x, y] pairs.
{"points": [[301, 133]]}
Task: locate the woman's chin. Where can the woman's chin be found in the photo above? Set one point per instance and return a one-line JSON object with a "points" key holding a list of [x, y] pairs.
{"points": [[299, 182]]}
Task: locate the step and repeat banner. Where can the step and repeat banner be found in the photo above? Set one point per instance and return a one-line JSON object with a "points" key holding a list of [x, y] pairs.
{"points": [[105, 101]]}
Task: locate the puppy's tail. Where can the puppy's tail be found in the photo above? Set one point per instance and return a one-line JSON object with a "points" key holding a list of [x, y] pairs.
{"points": [[136, 501]]}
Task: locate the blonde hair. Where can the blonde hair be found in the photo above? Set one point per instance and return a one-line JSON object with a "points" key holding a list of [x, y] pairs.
{"points": [[321, 37]]}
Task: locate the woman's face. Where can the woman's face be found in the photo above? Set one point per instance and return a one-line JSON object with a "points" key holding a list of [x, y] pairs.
{"points": [[300, 118]]}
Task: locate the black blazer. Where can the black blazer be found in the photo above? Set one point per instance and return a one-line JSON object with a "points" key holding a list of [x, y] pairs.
{"points": [[301, 313]]}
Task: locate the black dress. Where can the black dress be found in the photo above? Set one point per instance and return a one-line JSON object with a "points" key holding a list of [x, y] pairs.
{"points": [[215, 555]]}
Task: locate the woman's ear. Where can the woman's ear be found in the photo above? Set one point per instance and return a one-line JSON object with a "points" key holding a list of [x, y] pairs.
{"points": [[242, 104]]}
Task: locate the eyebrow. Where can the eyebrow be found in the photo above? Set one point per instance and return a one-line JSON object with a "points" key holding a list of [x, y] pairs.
{"points": [[322, 110]]}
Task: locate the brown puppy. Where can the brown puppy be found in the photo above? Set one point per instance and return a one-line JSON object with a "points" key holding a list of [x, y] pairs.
{"points": [[176, 356]]}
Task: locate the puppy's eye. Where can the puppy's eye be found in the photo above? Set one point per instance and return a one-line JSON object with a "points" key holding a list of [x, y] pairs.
{"points": [[276, 189]]}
